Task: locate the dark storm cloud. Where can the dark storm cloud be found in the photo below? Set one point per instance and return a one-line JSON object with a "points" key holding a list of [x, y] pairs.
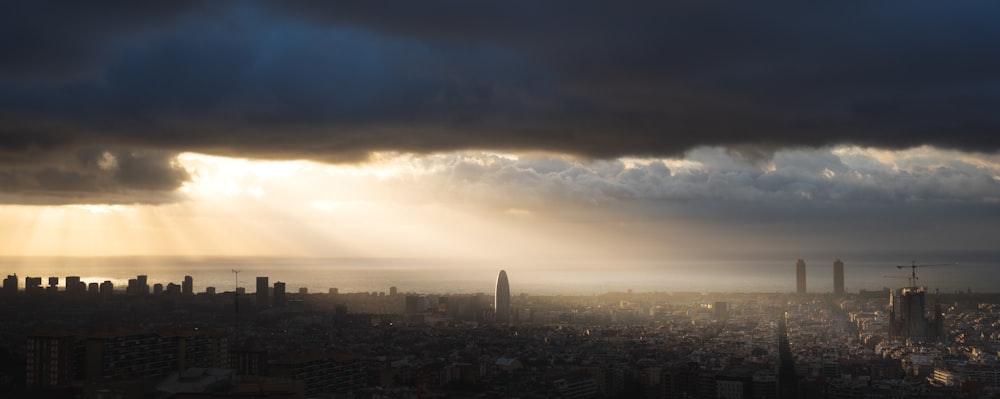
{"points": [[94, 176], [336, 80]]}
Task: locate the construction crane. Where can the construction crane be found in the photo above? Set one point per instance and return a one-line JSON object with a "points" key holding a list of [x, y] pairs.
{"points": [[913, 270]]}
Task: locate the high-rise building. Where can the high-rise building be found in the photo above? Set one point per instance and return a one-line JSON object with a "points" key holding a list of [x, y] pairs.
{"points": [[912, 303], [10, 284], [279, 294], [32, 285], [721, 311], [73, 285], [53, 284], [263, 299], [142, 284], [107, 288], [838, 277], [502, 299], [800, 276], [187, 288], [393, 291], [49, 361]]}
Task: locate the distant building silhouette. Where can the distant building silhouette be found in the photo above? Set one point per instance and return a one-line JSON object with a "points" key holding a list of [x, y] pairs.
{"points": [[838, 277], [53, 284], [157, 289], [263, 300], [800, 276], [107, 288], [142, 284], [10, 284], [187, 288], [32, 285], [73, 285], [502, 299], [280, 299], [393, 290], [721, 311]]}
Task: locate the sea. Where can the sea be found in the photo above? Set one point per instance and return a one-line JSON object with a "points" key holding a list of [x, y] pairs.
{"points": [[943, 271]]}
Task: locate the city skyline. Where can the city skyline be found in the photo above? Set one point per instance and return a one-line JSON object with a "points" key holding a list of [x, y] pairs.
{"points": [[315, 131]]}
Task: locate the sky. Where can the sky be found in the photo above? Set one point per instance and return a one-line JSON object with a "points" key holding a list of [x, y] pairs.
{"points": [[511, 132]]}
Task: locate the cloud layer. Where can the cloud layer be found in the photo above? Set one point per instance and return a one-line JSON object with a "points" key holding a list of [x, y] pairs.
{"points": [[336, 81]]}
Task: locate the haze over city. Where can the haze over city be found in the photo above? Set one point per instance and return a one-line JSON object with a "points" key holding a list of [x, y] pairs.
{"points": [[501, 135]]}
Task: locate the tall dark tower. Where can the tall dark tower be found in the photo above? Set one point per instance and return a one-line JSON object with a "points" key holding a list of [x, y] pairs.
{"points": [[187, 288], [838, 277], [263, 299], [800, 276], [502, 304]]}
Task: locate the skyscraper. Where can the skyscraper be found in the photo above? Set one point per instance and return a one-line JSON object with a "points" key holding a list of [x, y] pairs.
{"points": [[838, 277], [279, 294], [263, 299], [502, 299], [187, 288], [800, 276], [142, 284], [73, 285], [10, 284]]}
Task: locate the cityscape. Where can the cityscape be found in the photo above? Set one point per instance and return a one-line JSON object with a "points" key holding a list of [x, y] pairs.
{"points": [[447, 199], [147, 339]]}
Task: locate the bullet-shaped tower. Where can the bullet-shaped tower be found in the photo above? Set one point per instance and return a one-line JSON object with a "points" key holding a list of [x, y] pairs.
{"points": [[502, 299]]}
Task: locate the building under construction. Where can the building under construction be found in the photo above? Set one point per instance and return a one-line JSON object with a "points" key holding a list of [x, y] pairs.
{"points": [[908, 312]]}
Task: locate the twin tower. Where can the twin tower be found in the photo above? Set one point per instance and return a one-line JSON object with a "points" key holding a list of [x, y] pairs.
{"points": [[838, 277]]}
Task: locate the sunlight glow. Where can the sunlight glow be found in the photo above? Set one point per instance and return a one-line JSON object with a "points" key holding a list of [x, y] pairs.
{"points": [[473, 204]]}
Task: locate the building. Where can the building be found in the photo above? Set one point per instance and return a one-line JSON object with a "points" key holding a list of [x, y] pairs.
{"points": [[75, 286], [800, 276], [142, 284], [263, 299], [53, 284], [138, 286], [502, 299], [280, 299], [908, 309], [322, 372], [32, 285], [249, 360], [49, 361], [10, 284], [124, 354], [187, 288], [720, 311], [107, 288], [838, 277], [393, 291]]}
